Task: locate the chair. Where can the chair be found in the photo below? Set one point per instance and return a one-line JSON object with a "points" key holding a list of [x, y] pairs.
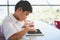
{"points": [[1, 34]]}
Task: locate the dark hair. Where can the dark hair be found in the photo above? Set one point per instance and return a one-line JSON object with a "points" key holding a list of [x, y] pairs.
{"points": [[25, 5]]}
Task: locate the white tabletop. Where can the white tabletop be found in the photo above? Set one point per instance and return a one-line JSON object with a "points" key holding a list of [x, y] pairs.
{"points": [[50, 32]]}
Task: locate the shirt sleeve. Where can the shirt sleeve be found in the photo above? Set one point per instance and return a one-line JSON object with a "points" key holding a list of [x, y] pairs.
{"points": [[8, 29]]}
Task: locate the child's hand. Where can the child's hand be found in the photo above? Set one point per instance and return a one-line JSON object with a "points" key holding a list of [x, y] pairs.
{"points": [[30, 25]]}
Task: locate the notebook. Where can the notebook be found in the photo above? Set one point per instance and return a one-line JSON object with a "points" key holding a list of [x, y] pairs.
{"points": [[38, 33]]}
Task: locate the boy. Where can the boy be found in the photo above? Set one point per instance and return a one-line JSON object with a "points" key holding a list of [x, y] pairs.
{"points": [[12, 24]]}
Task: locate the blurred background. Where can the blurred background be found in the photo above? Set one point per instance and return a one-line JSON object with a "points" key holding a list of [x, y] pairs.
{"points": [[43, 10]]}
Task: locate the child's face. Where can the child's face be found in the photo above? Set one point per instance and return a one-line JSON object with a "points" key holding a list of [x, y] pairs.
{"points": [[23, 15]]}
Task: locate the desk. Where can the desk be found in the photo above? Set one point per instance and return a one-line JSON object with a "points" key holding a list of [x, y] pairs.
{"points": [[50, 32]]}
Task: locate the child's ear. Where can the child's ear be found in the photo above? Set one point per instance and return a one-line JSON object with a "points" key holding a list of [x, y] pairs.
{"points": [[20, 9]]}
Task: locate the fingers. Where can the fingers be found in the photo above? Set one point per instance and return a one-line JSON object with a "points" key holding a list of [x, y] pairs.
{"points": [[33, 29], [27, 22], [30, 28]]}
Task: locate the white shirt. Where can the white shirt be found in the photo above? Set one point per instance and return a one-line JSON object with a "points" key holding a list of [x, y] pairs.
{"points": [[11, 26]]}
